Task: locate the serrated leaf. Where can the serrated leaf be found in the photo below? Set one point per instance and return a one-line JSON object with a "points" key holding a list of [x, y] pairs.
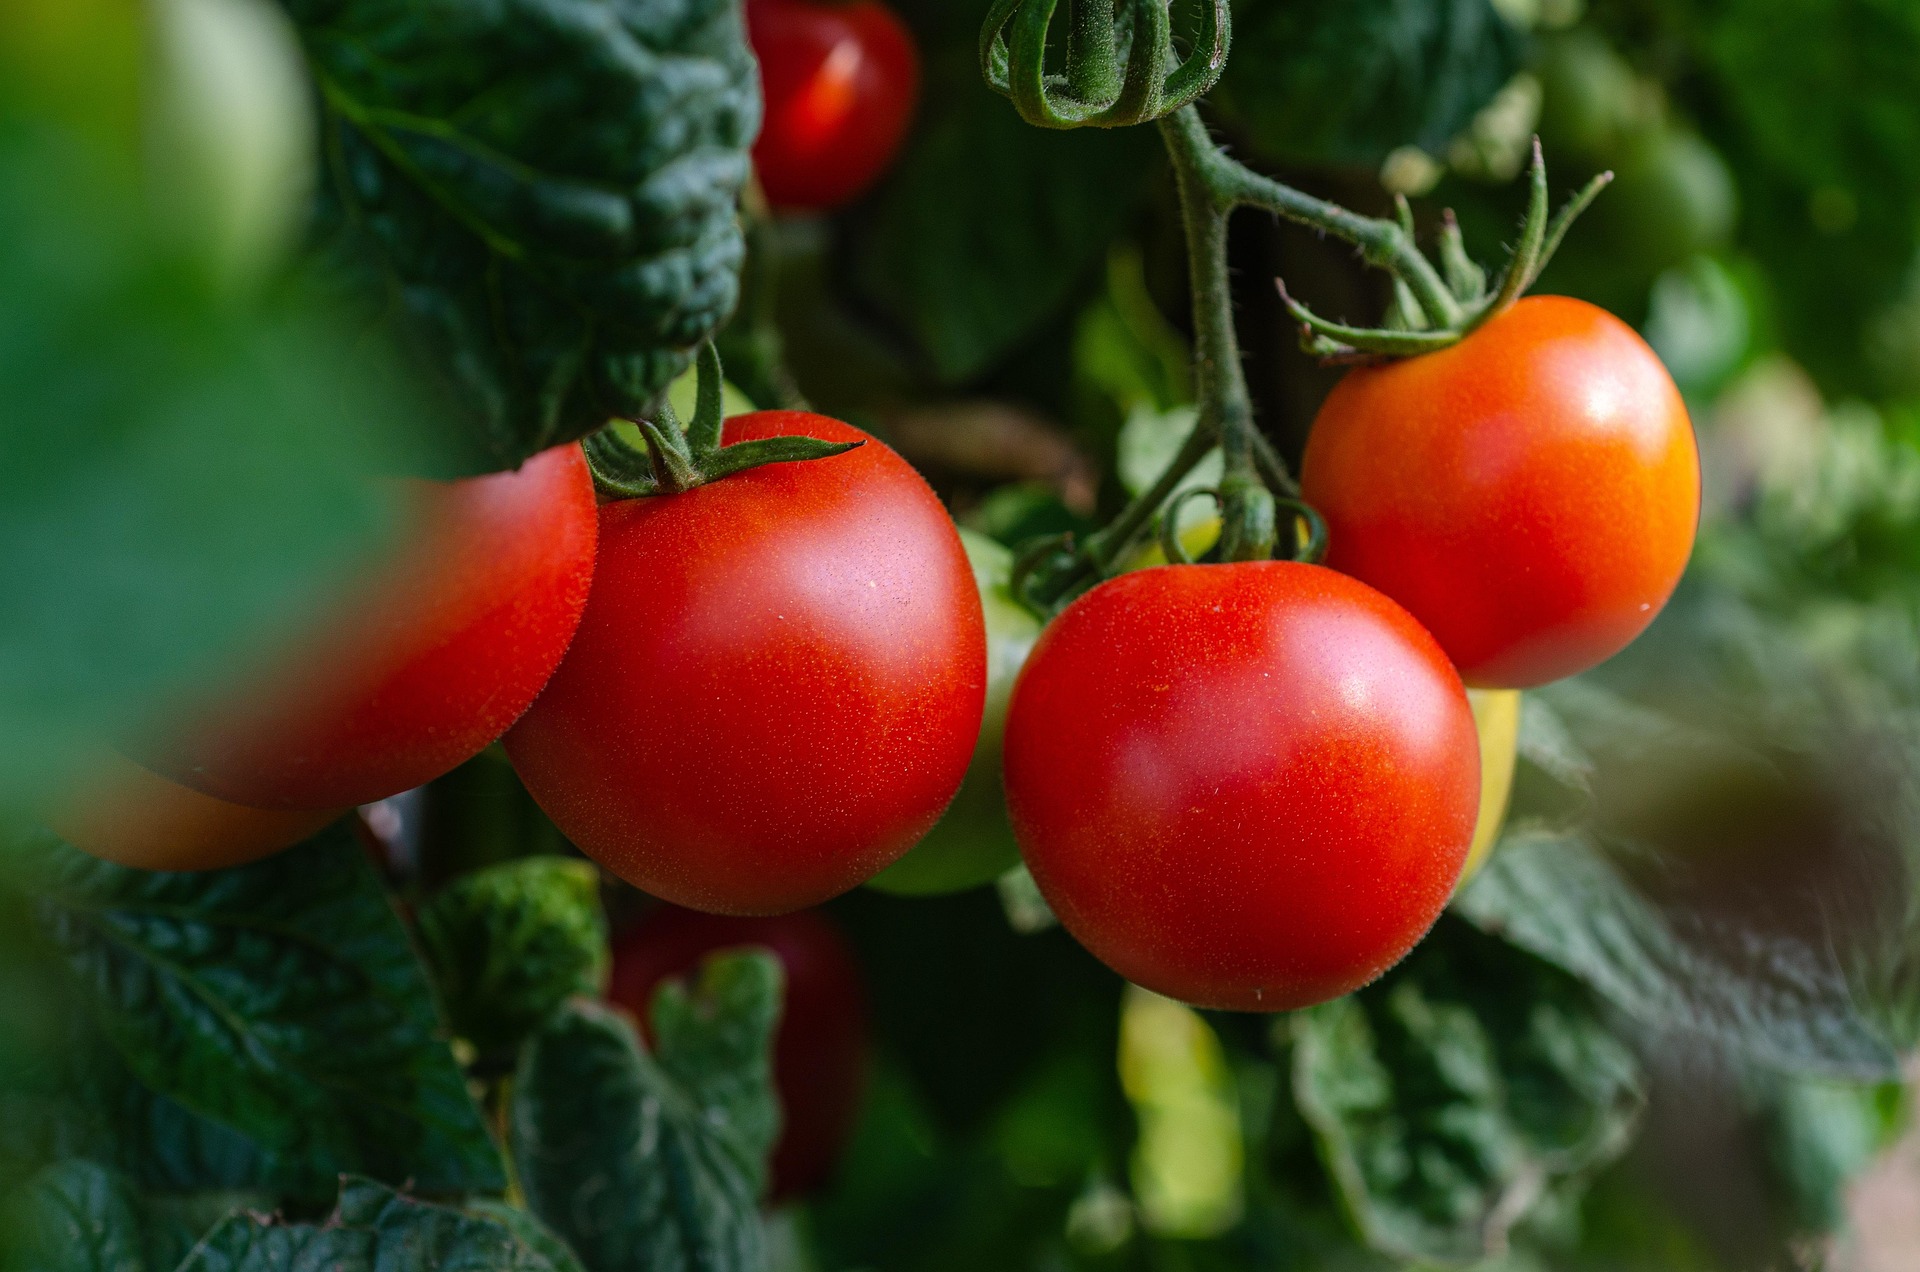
{"points": [[538, 196], [1348, 83], [510, 943], [1742, 876], [1457, 1092], [655, 1163], [987, 226], [372, 1229], [279, 1002]]}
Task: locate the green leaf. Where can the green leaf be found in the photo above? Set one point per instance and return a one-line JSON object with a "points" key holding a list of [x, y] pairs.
{"points": [[75, 1216], [375, 1229], [510, 943], [987, 227], [181, 474], [1459, 1092], [537, 195], [1738, 876], [651, 1163], [273, 1014], [1348, 83]]}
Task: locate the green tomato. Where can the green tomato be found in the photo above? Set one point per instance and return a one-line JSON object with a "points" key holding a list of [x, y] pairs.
{"points": [[1672, 196], [973, 843]]}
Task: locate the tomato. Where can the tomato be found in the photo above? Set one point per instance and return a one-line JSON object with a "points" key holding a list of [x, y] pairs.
{"points": [[777, 685], [1496, 717], [820, 1045], [424, 664], [973, 841], [132, 816], [1529, 494], [1247, 786], [839, 82]]}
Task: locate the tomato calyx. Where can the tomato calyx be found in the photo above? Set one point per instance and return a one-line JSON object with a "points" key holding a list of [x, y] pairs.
{"points": [[1121, 67], [1414, 325], [676, 458]]}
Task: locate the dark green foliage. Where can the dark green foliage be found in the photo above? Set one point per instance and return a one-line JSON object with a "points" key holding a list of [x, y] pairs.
{"points": [[510, 943], [987, 227], [1456, 1094], [1348, 83], [537, 196], [269, 1025], [375, 1229], [654, 1162]]}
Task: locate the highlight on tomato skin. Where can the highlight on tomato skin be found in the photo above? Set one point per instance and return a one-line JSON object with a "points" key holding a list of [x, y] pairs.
{"points": [[840, 81], [1530, 494], [777, 686], [1249, 787], [127, 814], [820, 1045], [425, 660]]}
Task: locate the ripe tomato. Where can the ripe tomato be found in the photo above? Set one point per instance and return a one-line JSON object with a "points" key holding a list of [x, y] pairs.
{"points": [[776, 687], [1529, 494], [424, 664], [820, 1045], [131, 816], [1248, 786], [839, 81], [973, 842]]}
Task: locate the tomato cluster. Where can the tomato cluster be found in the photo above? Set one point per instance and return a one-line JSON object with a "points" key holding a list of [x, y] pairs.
{"points": [[1248, 785]]}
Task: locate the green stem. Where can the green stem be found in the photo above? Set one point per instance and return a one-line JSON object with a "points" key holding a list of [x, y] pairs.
{"points": [[1383, 243]]}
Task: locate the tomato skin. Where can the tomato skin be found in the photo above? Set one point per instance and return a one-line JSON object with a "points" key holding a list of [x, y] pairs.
{"points": [[840, 81], [820, 1044], [1248, 787], [1529, 494], [777, 685], [132, 816], [424, 664]]}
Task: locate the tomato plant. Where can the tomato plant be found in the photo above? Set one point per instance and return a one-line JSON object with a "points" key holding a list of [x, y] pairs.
{"points": [[820, 1044], [777, 685], [1529, 494], [840, 79], [422, 665], [1247, 786]]}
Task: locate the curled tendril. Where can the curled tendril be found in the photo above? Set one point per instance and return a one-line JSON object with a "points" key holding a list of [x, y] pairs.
{"points": [[1121, 66]]}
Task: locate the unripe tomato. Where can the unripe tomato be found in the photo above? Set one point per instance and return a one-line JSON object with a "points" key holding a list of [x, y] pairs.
{"points": [[1248, 786], [1529, 494], [423, 665], [777, 685], [839, 80], [1496, 717], [973, 842], [820, 1044], [131, 816]]}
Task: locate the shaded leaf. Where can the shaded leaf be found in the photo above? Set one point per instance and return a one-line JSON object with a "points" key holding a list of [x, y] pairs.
{"points": [[271, 1014], [73, 1217], [1459, 1092], [1348, 83], [655, 1162], [987, 226], [537, 195], [510, 943], [372, 1229]]}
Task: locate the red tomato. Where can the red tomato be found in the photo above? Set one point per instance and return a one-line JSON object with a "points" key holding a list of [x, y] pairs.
{"points": [[425, 664], [131, 816], [1246, 786], [840, 82], [820, 1046], [777, 685], [1530, 494]]}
